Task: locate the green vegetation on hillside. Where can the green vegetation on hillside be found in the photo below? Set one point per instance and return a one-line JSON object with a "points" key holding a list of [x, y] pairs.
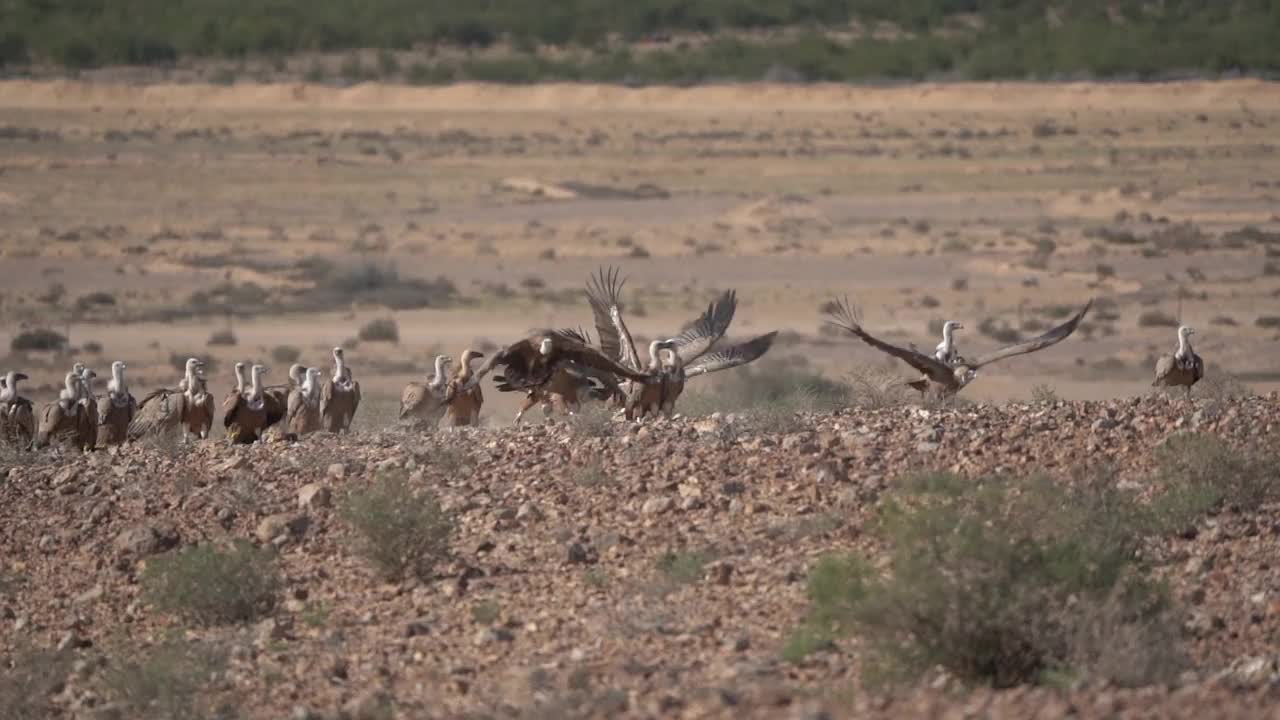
{"points": [[828, 39]]}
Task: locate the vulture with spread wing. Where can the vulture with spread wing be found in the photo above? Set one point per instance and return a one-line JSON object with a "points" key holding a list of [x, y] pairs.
{"points": [[943, 378]]}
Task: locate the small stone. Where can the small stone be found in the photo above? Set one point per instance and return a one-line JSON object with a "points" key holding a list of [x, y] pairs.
{"points": [[369, 705], [720, 572], [657, 505], [89, 596], [491, 635], [416, 628], [268, 631], [144, 540], [314, 495], [282, 525], [577, 554], [528, 512], [1103, 424], [691, 503], [927, 446], [337, 471]]}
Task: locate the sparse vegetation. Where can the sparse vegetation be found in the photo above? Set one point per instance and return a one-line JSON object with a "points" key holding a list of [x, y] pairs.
{"points": [[1155, 318], [380, 330], [682, 568], [29, 680], [1009, 40], [38, 340], [1002, 582], [285, 354], [168, 680], [400, 530], [213, 585], [1198, 471], [222, 338]]}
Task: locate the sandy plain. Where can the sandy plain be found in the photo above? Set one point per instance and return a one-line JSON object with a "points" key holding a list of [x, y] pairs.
{"points": [[997, 205]]}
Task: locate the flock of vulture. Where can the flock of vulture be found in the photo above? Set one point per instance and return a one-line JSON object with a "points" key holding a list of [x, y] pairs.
{"points": [[557, 369]]}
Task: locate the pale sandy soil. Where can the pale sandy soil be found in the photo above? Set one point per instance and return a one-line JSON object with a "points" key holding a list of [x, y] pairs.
{"points": [[923, 203]]}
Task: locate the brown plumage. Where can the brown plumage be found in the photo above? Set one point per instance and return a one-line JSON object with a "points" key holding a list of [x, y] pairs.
{"points": [[117, 409], [531, 362], [187, 409], [60, 419], [425, 402], [247, 414], [563, 393], [1184, 368], [17, 415], [339, 396], [464, 404], [942, 378], [302, 414]]}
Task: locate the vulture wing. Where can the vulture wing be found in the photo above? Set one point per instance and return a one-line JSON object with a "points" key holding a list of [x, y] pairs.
{"points": [[603, 293], [846, 318], [707, 329], [733, 356], [1052, 337]]}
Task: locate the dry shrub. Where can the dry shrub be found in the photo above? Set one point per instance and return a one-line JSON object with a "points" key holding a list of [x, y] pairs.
{"points": [[29, 678], [1002, 582], [1197, 472], [380, 330], [400, 530], [38, 340], [211, 585], [169, 680]]}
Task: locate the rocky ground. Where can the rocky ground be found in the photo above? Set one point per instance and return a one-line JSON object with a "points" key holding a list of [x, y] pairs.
{"points": [[599, 569]]}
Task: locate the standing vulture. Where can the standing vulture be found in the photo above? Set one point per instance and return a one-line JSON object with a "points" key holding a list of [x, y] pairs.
{"points": [[464, 405], [946, 379], [302, 415], [249, 414], [87, 418], [17, 416], [117, 409], [60, 419], [425, 402], [187, 409], [340, 396], [1183, 368]]}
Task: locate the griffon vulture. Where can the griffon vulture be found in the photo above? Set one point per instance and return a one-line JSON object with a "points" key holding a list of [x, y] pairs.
{"points": [[464, 405], [17, 416], [60, 419], [117, 409], [425, 402], [945, 379], [187, 408], [1183, 368], [340, 396], [303, 413]]}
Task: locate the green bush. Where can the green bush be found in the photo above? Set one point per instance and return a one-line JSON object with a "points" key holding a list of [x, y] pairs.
{"points": [[401, 531], [168, 680], [212, 585], [1197, 472], [1001, 582]]}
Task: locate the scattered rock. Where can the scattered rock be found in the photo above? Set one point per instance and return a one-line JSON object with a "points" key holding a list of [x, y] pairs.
{"points": [[313, 495], [141, 541], [282, 525], [657, 505]]}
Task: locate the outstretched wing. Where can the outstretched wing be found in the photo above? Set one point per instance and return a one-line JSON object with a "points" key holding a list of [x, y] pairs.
{"points": [[1052, 337], [604, 290], [732, 356], [582, 356], [845, 317], [707, 329]]}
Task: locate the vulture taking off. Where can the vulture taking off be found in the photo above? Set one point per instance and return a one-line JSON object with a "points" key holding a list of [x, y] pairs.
{"points": [[531, 362], [117, 409], [946, 379], [425, 402], [17, 416], [340, 396], [687, 354], [1183, 368]]}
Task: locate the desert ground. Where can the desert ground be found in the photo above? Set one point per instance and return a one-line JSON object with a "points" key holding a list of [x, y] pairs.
{"points": [[599, 568]]}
